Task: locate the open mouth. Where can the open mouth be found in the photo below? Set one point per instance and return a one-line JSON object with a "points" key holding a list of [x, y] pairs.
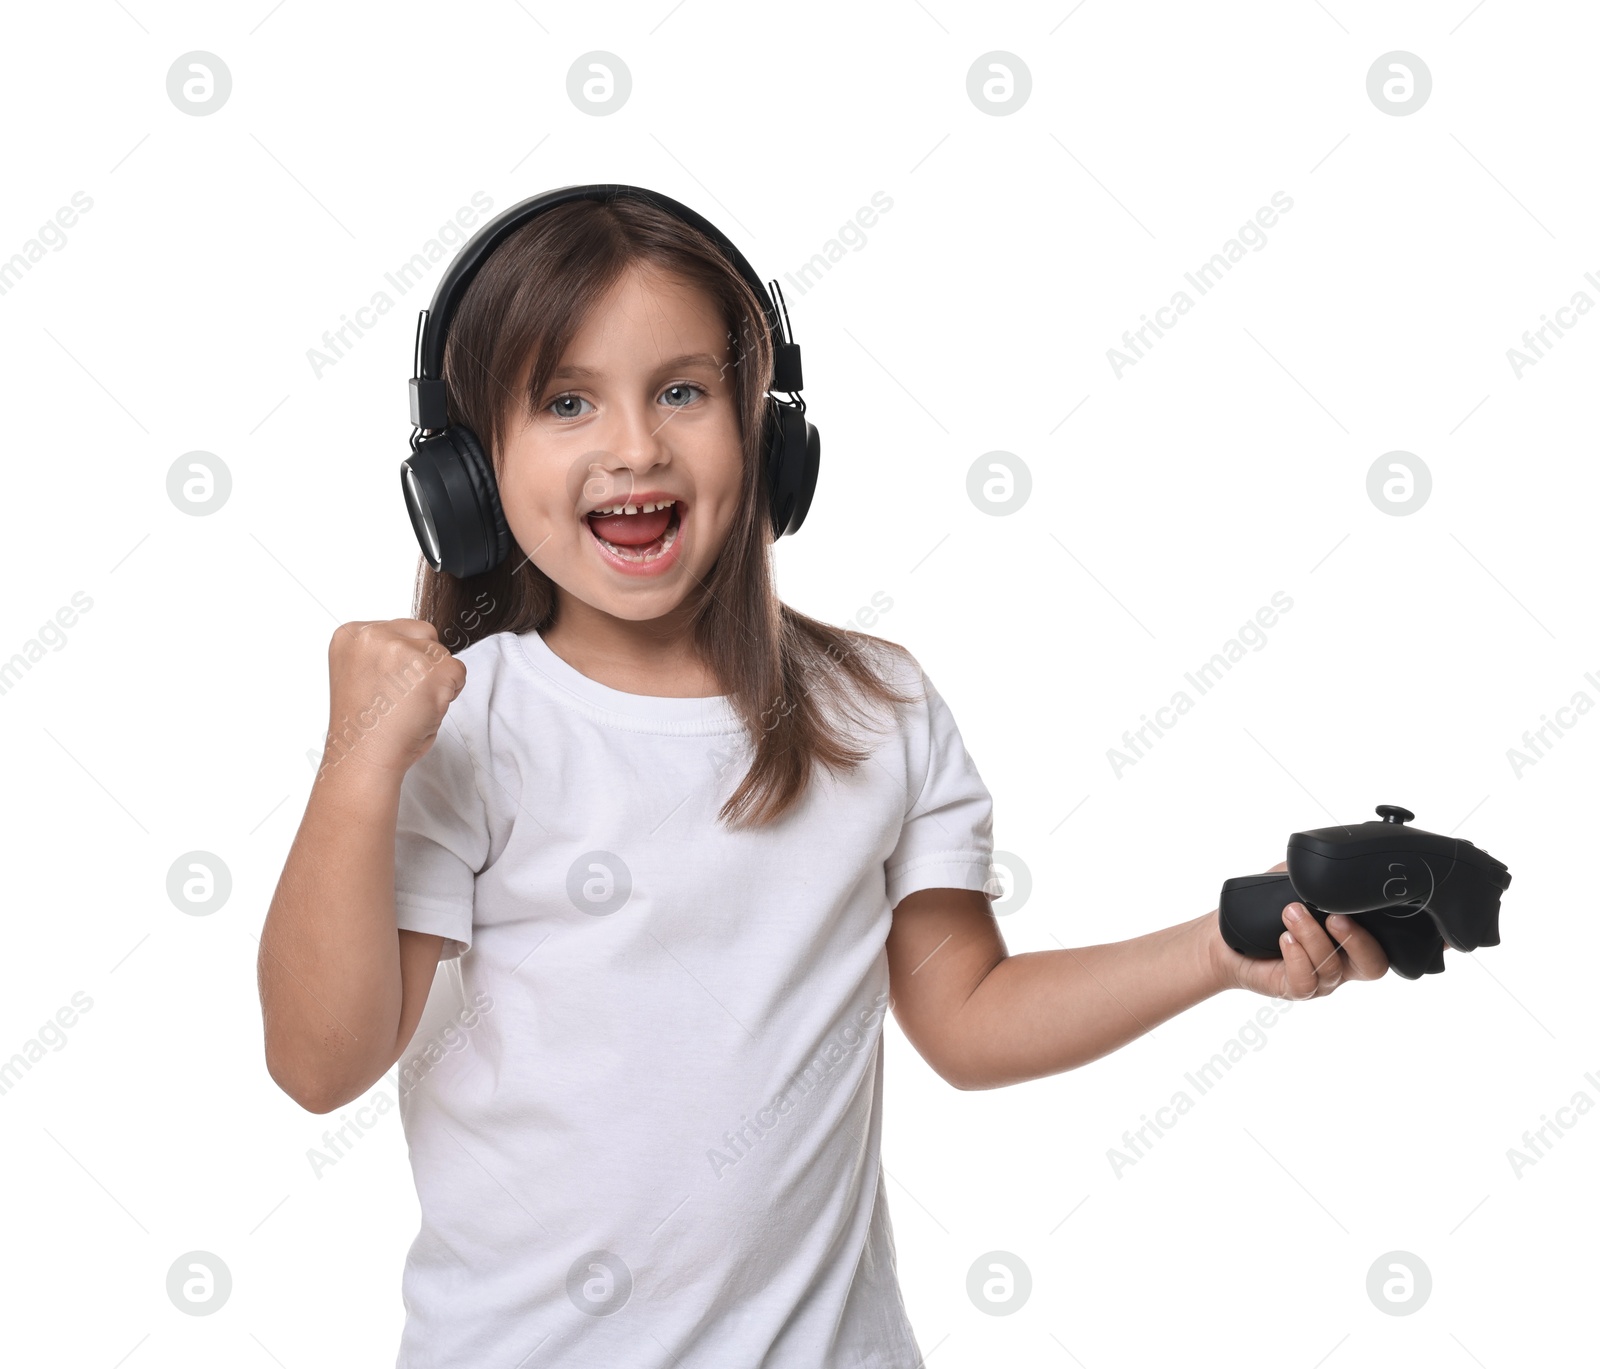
{"points": [[637, 533]]}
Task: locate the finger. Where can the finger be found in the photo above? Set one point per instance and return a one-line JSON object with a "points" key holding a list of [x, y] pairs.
{"points": [[1365, 957], [1299, 975], [412, 627], [1281, 865], [1319, 946]]}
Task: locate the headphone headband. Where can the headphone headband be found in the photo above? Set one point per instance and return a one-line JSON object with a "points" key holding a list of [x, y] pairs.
{"points": [[428, 407]]}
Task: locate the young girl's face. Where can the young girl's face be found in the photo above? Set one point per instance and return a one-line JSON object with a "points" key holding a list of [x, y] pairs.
{"points": [[640, 411]]}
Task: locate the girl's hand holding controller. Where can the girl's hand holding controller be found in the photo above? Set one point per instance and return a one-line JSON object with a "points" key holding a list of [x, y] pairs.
{"points": [[1315, 962], [389, 686]]}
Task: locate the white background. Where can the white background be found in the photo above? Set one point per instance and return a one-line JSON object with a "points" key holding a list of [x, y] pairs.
{"points": [[1167, 506]]}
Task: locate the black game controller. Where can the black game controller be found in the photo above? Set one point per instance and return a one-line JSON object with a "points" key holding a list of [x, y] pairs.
{"points": [[1414, 891]]}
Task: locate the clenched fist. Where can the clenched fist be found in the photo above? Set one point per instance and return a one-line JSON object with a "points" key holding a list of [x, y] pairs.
{"points": [[389, 685]]}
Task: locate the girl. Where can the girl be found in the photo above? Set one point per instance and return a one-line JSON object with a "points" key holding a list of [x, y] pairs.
{"points": [[628, 877]]}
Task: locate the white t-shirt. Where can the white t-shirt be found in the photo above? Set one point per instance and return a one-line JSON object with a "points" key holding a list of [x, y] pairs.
{"points": [[643, 1104]]}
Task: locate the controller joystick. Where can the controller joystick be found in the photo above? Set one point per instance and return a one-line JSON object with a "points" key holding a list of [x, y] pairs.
{"points": [[1415, 891]]}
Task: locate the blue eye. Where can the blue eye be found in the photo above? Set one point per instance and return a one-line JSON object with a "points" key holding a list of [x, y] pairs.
{"points": [[562, 399], [683, 385]]}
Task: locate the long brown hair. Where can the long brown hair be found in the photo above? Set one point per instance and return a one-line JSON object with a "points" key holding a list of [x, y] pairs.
{"points": [[791, 678]]}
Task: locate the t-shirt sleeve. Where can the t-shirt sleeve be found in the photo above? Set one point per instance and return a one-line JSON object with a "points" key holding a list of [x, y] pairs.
{"points": [[947, 838], [441, 840]]}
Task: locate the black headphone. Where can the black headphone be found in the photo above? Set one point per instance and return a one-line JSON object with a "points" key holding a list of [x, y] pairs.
{"points": [[449, 482]]}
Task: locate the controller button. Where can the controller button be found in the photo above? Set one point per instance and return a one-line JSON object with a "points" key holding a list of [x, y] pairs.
{"points": [[1390, 813]]}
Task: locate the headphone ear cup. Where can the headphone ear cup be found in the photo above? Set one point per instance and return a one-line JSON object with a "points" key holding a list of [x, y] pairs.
{"points": [[794, 451], [496, 535], [454, 504]]}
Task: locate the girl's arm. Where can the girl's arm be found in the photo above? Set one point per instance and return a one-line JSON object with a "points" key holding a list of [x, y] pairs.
{"points": [[342, 987], [984, 1018]]}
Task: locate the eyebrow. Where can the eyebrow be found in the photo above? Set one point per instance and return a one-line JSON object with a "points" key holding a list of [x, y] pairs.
{"points": [[688, 359]]}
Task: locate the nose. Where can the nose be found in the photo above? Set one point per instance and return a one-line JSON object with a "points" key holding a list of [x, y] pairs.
{"points": [[633, 444]]}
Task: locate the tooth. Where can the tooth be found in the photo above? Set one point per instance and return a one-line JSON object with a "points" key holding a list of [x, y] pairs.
{"points": [[634, 508]]}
